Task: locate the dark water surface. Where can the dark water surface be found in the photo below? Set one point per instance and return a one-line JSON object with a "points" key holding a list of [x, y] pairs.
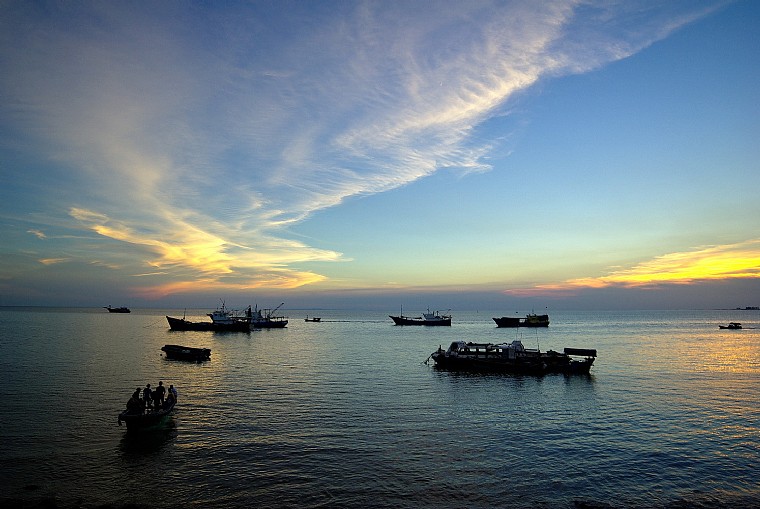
{"points": [[344, 413]]}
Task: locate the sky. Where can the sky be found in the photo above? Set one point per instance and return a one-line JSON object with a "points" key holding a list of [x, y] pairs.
{"points": [[443, 154]]}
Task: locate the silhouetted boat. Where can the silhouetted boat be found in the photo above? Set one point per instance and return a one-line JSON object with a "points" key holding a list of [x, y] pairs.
{"points": [[312, 319], [530, 320], [139, 419], [186, 353], [512, 358], [434, 318], [117, 310], [731, 325], [222, 320], [266, 318]]}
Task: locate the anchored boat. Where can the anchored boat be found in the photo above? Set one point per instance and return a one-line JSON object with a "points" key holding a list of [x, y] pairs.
{"points": [[530, 320], [434, 318], [512, 358]]}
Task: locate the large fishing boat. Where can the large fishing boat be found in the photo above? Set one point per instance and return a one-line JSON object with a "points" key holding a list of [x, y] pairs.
{"points": [[434, 318], [266, 318], [512, 358], [222, 320], [530, 320]]}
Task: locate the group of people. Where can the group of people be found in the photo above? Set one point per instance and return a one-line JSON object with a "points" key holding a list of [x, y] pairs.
{"points": [[156, 399]]}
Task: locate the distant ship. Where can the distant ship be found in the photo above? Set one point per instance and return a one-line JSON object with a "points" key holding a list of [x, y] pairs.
{"points": [[434, 318], [117, 310], [530, 320]]}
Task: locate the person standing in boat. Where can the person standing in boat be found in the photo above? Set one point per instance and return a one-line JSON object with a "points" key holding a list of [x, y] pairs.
{"points": [[160, 393], [133, 405], [147, 397], [173, 390]]}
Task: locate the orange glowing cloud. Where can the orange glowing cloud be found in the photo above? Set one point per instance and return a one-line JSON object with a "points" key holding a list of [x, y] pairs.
{"points": [[732, 261], [193, 260]]}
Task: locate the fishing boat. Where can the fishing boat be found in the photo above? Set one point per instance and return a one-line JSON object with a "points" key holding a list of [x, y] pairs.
{"points": [[434, 318], [117, 310], [312, 319], [186, 353], [137, 419], [512, 358], [731, 325], [267, 319], [530, 320], [222, 320]]}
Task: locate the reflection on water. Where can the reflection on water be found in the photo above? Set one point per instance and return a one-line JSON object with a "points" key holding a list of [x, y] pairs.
{"points": [[346, 414], [147, 441]]}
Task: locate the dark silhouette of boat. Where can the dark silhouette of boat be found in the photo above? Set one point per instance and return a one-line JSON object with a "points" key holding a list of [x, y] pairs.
{"points": [[434, 318], [186, 353], [180, 324], [267, 319], [512, 358], [117, 310], [222, 320], [731, 325], [312, 319], [138, 419], [530, 320]]}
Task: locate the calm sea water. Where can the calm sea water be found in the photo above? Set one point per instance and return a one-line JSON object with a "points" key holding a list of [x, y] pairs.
{"points": [[345, 413]]}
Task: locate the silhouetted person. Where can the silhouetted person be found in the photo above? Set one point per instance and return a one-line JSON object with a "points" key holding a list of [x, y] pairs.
{"points": [[173, 390], [147, 396], [161, 390]]}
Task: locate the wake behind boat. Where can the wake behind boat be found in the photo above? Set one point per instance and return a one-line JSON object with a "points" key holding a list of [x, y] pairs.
{"points": [[512, 358], [434, 318]]}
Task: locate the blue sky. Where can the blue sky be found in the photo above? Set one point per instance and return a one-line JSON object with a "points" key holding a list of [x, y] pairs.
{"points": [[520, 154]]}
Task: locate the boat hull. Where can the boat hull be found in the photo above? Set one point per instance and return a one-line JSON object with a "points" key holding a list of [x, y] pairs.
{"points": [[523, 362], [147, 420], [404, 320], [186, 353], [528, 321], [268, 324], [180, 324]]}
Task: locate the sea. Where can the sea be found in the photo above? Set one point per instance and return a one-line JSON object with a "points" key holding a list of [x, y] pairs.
{"points": [[349, 413]]}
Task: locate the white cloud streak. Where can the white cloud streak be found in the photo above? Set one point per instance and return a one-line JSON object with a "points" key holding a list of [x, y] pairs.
{"points": [[218, 126]]}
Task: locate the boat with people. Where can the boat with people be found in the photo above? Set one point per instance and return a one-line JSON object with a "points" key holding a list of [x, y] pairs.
{"points": [[512, 358], [186, 353], [313, 319], [530, 320], [429, 318], [731, 325], [266, 318], [122, 309], [140, 414]]}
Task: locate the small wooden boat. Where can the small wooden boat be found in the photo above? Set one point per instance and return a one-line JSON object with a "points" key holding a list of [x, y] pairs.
{"points": [[512, 358], [530, 320], [312, 319], [139, 419], [731, 325], [117, 310], [186, 353], [434, 318]]}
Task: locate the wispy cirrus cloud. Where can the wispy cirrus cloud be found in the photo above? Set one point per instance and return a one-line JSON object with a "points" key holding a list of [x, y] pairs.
{"points": [[196, 136], [723, 262]]}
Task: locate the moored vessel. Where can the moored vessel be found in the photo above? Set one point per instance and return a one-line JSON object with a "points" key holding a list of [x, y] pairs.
{"points": [[530, 320], [434, 318], [512, 358], [186, 353]]}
